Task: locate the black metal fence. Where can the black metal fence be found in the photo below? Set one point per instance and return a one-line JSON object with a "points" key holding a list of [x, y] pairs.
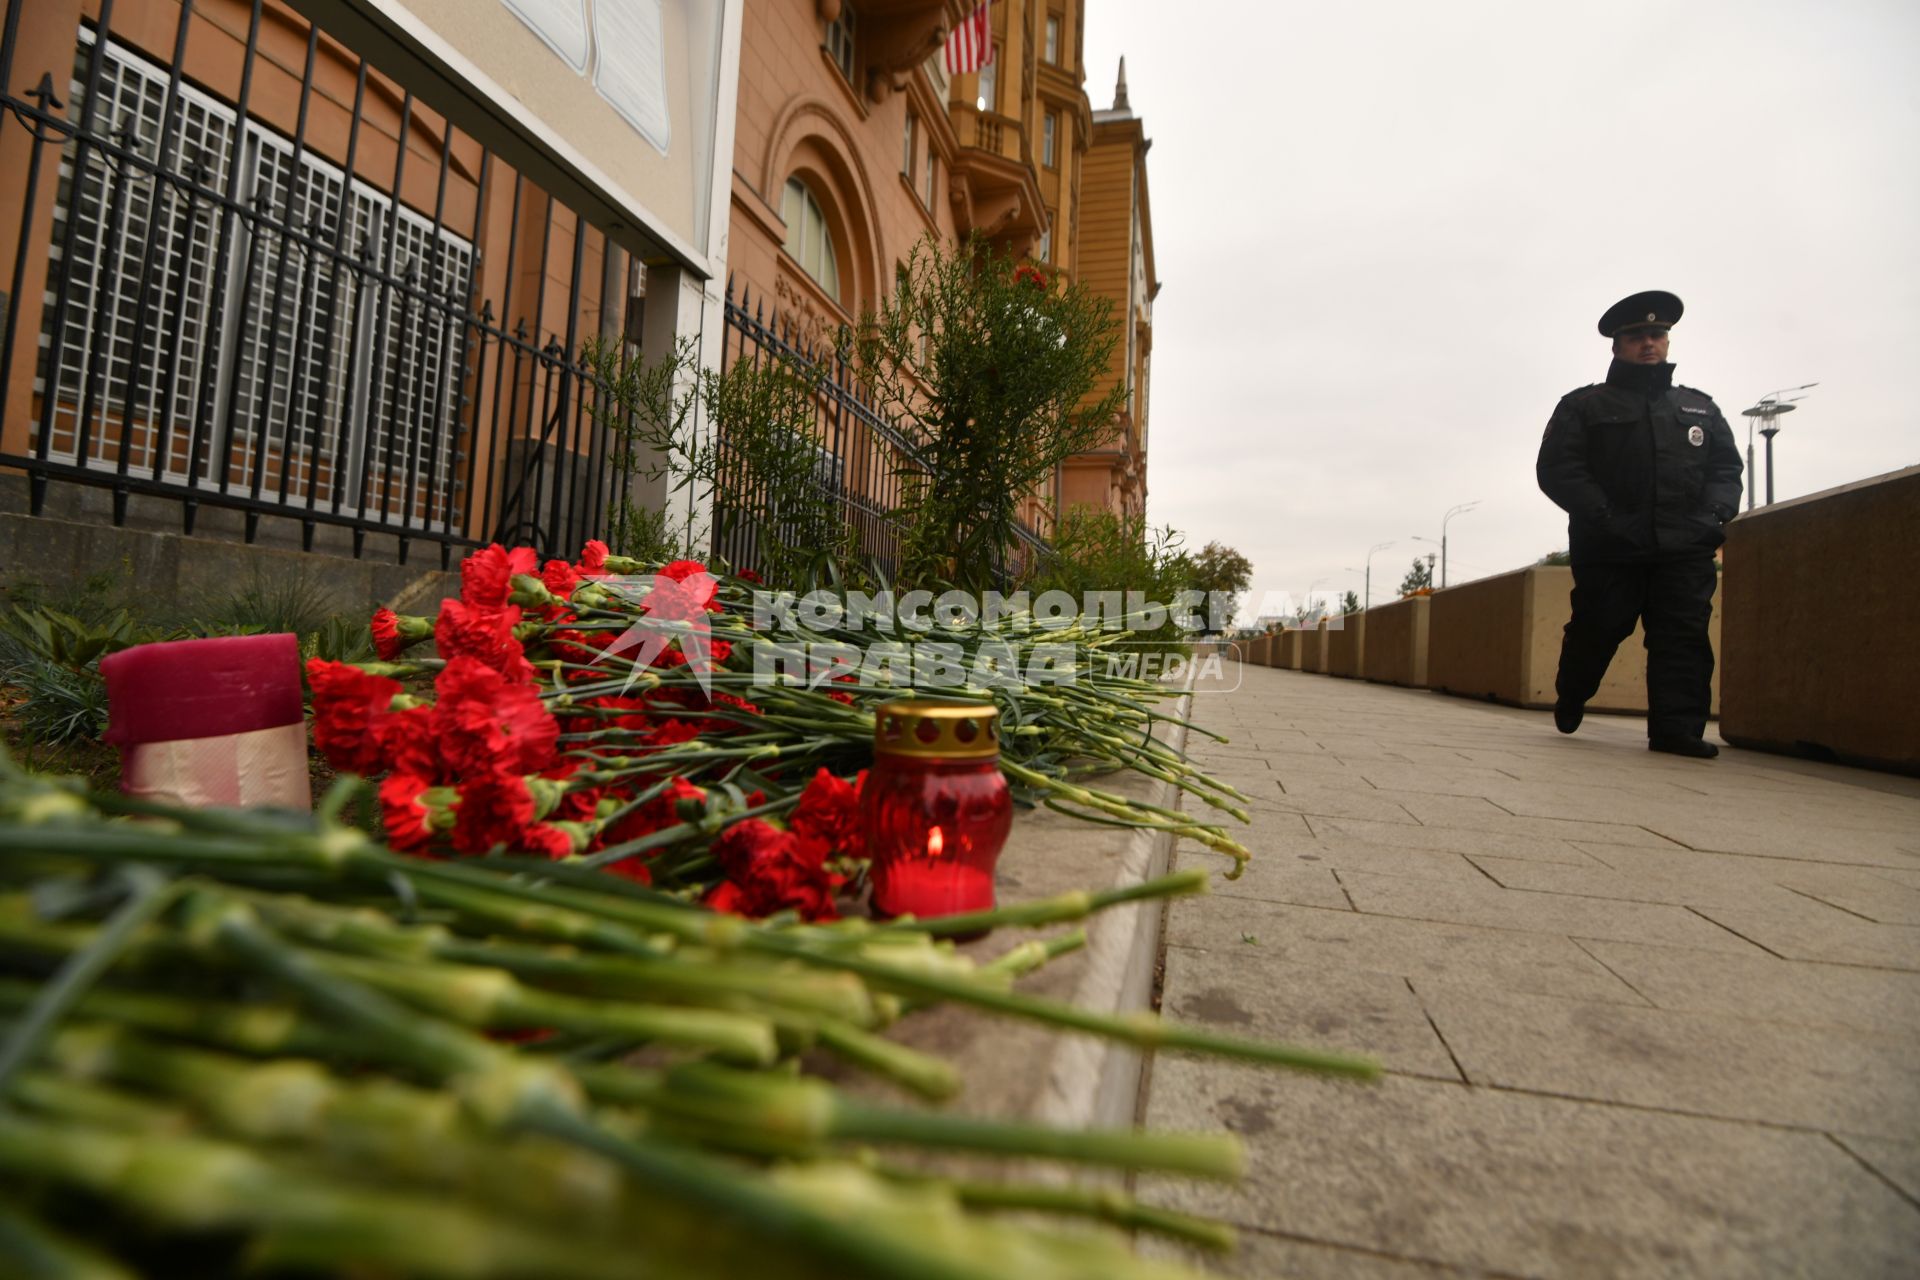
{"points": [[867, 464], [234, 316]]}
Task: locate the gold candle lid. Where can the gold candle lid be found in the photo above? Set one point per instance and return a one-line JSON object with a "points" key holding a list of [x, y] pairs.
{"points": [[942, 730]]}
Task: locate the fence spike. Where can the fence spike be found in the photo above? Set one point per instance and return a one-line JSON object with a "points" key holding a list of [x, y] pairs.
{"points": [[43, 96]]}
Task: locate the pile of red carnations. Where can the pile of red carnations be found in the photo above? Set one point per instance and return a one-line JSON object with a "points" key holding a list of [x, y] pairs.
{"points": [[577, 710]]}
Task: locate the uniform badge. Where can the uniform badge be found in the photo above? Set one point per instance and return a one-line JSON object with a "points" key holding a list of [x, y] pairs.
{"points": [[1695, 436]]}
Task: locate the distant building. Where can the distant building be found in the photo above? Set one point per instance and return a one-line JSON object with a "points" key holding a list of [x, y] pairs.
{"points": [[1114, 256], [853, 143]]}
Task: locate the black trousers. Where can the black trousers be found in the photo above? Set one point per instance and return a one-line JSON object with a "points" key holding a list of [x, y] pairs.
{"points": [[1672, 599]]}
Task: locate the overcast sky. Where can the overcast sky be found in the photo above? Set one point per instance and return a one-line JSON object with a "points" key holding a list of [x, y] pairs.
{"points": [[1386, 231]]}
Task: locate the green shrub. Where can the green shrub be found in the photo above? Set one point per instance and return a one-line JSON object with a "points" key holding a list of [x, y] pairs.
{"points": [[1096, 550]]}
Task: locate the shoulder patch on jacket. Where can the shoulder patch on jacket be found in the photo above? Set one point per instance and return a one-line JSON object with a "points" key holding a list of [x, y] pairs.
{"points": [[1581, 393]]}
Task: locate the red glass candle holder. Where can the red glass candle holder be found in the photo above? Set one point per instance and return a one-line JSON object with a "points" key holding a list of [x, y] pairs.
{"points": [[936, 808]]}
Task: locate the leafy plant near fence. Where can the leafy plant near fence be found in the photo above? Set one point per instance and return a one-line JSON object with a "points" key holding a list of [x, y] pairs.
{"points": [[1095, 550], [745, 435], [995, 368]]}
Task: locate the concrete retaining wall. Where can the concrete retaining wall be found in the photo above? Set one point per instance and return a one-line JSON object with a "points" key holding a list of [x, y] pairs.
{"points": [[1397, 642], [1823, 624], [1347, 646], [1499, 638], [1292, 645], [176, 576]]}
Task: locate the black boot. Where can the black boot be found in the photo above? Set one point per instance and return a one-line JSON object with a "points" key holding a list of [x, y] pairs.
{"points": [[1697, 748], [1567, 716]]}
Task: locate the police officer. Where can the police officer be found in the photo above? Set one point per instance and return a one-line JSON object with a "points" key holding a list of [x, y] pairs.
{"points": [[1647, 470]]}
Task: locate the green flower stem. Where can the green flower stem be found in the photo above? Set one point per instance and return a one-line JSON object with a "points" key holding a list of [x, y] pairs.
{"points": [[1101, 1203], [492, 1079], [1057, 910], [927, 1076], [148, 894], [56, 1095], [805, 1113], [1142, 1030], [196, 1184], [262, 1028], [491, 999], [32, 1250]]}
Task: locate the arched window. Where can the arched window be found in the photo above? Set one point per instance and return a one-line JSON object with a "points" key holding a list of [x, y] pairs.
{"points": [[808, 239]]}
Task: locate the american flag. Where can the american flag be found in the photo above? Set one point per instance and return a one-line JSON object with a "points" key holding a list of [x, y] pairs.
{"points": [[970, 47]]}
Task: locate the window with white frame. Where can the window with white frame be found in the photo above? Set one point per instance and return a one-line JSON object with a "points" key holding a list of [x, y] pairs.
{"points": [[285, 374], [990, 83], [1053, 39], [808, 238], [1044, 251], [840, 38], [908, 147], [933, 176], [1049, 135]]}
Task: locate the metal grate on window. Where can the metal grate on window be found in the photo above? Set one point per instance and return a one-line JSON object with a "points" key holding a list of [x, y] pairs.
{"points": [[300, 377], [166, 244]]}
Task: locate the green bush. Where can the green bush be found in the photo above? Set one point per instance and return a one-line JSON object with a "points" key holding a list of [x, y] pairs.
{"points": [[1095, 550]]}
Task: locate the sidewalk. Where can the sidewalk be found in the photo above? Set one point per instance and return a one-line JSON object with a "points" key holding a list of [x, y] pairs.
{"points": [[1640, 1015]]}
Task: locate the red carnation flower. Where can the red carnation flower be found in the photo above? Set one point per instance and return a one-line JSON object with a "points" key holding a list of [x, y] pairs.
{"points": [[486, 577], [667, 733], [488, 725], [484, 633], [771, 870], [683, 599], [408, 743], [681, 570], [386, 634], [348, 705], [494, 810], [748, 575], [561, 578], [593, 559], [547, 839], [829, 812], [410, 821]]}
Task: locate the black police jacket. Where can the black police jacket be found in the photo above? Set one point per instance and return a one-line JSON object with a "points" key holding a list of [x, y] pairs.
{"points": [[1645, 469]]}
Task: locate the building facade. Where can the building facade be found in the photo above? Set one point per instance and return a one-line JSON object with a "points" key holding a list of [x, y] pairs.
{"points": [[1115, 259], [853, 144], [258, 280]]}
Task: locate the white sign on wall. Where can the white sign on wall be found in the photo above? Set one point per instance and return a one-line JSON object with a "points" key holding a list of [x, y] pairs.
{"points": [[620, 45]]}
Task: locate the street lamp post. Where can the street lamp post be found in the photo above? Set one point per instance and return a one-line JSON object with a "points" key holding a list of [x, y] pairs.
{"points": [[1462, 509], [1770, 431], [1769, 407], [1378, 546]]}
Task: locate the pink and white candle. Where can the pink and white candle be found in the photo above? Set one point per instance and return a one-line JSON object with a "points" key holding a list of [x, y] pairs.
{"points": [[210, 723]]}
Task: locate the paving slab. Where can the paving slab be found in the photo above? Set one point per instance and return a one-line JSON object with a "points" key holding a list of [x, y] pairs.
{"points": [[1639, 1016], [1253, 994], [1264, 1256], [1534, 1186], [1503, 960], [1897, 1162], [1766, 988], [1457, 839], [1343, 854], [1811, 930], [1270, 876], [1698, 1063], [1489, 906]]}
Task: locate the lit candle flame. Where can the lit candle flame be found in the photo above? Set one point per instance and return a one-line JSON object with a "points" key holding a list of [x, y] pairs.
{"points": [[935, 843]]}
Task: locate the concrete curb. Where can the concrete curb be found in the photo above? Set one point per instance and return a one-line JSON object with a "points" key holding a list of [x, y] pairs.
{"points": [[1096, 1083]]}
